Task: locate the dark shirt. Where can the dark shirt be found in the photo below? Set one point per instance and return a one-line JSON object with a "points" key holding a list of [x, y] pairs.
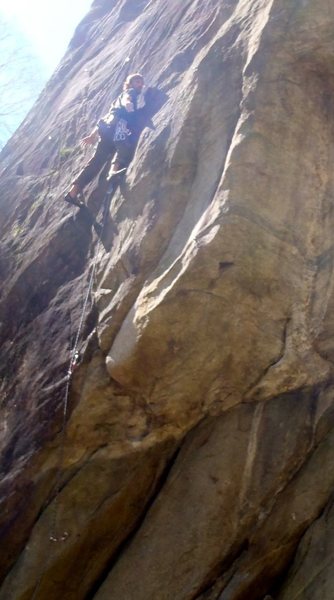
{"points": [[118, 107]]}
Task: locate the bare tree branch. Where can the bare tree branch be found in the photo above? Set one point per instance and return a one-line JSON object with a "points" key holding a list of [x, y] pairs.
{"points": [[21, 79]]}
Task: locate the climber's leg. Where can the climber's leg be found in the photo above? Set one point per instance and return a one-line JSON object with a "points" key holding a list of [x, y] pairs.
{"points": [[102, 154], [124, 154]]}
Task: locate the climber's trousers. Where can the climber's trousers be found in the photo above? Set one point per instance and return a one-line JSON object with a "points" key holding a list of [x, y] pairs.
{"points": [[121, 151]]}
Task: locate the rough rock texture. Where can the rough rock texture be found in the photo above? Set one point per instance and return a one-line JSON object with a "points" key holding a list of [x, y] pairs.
{"points": [[193, 459], [312, 574]]}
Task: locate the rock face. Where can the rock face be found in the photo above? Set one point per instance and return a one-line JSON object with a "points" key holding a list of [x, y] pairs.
{"points": [[192, 456]]}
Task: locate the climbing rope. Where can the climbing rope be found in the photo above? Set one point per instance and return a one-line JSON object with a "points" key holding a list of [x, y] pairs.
{"points": [[73, 362]]}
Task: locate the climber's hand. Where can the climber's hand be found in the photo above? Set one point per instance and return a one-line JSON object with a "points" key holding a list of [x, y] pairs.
{"points": [[89, 139]]}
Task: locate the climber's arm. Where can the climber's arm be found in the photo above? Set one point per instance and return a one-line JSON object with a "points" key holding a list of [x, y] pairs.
{"points": [[92, 138], [127, 101]]}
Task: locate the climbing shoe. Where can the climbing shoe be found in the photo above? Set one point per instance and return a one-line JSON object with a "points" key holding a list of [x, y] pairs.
{"points": [[68, 198]]}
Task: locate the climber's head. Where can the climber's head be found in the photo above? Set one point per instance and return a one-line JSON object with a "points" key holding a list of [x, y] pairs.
{"points": [[135, 81]]}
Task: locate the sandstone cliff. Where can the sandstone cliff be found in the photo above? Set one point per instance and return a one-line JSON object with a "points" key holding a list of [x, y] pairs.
{"points": [[195, 457]]}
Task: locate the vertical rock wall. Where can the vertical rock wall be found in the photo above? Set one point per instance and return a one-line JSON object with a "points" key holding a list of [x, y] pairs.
{"points": [[196, 458]]}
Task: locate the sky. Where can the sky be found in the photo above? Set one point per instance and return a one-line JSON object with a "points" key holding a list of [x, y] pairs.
{"points": [[34, 33], [47, 25]]}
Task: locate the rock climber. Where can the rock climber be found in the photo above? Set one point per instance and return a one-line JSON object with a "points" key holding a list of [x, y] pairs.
{"points": [[116, 138]]}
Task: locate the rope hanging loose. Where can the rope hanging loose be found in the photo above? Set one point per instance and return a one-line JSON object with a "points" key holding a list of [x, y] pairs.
{"points": [[73, 363]]}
